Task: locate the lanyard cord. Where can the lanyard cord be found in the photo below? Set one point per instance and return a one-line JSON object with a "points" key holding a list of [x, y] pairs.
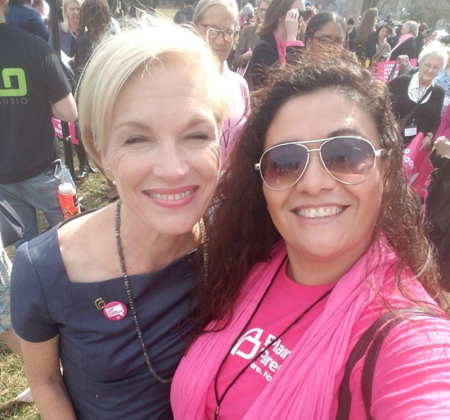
{"points": [[220, 399]]}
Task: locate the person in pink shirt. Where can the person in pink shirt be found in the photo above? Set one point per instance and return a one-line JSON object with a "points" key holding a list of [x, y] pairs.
{"points": [[444, 128], [278, 35], [217, 22], [315, 248]]}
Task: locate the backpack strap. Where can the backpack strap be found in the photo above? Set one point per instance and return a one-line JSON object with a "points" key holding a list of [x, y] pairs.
{"points": [[371, 342]]}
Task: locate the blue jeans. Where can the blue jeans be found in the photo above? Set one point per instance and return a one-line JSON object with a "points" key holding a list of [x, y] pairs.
{"points": [[40, 192]]}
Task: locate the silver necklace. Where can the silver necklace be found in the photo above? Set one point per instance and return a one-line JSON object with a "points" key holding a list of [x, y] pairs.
{"points": [[130, 296]]}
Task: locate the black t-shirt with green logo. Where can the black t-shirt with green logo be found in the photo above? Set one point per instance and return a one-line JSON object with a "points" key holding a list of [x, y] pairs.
{"points": [[31, 79]]}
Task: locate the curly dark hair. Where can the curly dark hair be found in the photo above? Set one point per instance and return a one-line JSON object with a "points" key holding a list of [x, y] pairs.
{"points": [[241, 230], [95, 16]]}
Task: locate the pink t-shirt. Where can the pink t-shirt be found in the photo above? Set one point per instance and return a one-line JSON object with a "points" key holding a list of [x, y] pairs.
{"points": [[240, 108], [415, 360]]}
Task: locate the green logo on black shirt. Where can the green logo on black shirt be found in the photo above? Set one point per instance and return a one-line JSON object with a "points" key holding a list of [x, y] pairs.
{"points": [[7, 75]]}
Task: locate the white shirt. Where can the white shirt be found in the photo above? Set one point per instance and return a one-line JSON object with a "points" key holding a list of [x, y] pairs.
{"points": [[415, 92]]}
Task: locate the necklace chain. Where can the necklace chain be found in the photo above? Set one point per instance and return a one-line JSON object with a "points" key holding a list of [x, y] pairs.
{"points": [[220, 399], [130, 296]]}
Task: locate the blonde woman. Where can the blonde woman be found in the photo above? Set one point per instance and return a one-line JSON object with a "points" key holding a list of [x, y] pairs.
{"points": [[106, 293], [69, 28]]}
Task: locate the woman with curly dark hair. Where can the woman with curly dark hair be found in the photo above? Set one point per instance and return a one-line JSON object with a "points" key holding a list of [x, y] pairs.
{"points": [[316, 244]]}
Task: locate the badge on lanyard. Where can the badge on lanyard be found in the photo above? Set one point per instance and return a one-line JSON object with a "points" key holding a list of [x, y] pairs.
{"points": [[411, 130]]}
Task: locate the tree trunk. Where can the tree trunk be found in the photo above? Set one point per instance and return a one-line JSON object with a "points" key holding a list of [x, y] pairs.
{"points": [[367, 4]]}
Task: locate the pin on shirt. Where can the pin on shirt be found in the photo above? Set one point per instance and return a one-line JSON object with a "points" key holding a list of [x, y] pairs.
{"points": [[113, 311]]}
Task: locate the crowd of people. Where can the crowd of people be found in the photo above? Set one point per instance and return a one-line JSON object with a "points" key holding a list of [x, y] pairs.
{"points": [[277, 245]]}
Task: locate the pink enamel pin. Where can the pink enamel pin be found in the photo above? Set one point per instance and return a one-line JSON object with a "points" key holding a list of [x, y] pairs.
{"points": [[115, 311]]}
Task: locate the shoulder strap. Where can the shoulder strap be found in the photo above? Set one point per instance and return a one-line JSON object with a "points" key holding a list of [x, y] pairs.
{"points": [[371, 342], [402, 122], [344, 395]]}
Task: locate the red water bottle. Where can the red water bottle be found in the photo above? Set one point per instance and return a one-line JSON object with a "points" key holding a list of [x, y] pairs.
{"points": [[68, 200]]}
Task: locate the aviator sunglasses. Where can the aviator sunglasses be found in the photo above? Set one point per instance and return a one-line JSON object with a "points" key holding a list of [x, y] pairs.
{"points": [[347, 159]]}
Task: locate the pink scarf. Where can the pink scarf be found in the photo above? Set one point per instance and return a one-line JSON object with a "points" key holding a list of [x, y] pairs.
{"points": [[281, 48], [402, 39], [305, 386]]}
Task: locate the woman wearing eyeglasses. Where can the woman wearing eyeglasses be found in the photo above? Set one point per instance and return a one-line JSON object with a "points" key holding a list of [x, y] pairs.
{"points": [[417, 100], [217, 22], [325, 29], [316, 237], [278, 36], [248, 39]]}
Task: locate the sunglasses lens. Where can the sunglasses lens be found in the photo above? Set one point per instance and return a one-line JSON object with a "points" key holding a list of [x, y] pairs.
{"points": [[349, 159], [283, 165]]}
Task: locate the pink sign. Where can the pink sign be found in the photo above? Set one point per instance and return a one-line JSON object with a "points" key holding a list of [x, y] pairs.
{"points": [[58, 130], [384, 69], [417, 165]]}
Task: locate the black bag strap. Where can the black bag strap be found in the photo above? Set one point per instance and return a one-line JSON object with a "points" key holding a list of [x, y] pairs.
{"points": [[392, 73], [371, 342]]}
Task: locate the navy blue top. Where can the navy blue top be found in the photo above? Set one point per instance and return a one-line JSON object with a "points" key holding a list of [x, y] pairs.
{"points": [[66, 41], [28, 19], [104, 368]]}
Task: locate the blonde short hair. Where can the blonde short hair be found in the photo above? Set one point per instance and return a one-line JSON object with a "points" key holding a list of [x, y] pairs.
{"points": [[65, 23], [144, 47], [204, 5]]}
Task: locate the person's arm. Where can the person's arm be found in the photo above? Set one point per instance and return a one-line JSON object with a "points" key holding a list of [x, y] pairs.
{"points": [[65, 109], [405, 64], [45, 380], [436, 102], [39, 27], [445, 124], [32, 319], [412, 374], [395, 90], [242, 55], [442, 147]]}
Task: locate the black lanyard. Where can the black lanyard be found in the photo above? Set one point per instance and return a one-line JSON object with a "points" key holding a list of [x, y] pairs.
{"points": [[220, 399]]}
